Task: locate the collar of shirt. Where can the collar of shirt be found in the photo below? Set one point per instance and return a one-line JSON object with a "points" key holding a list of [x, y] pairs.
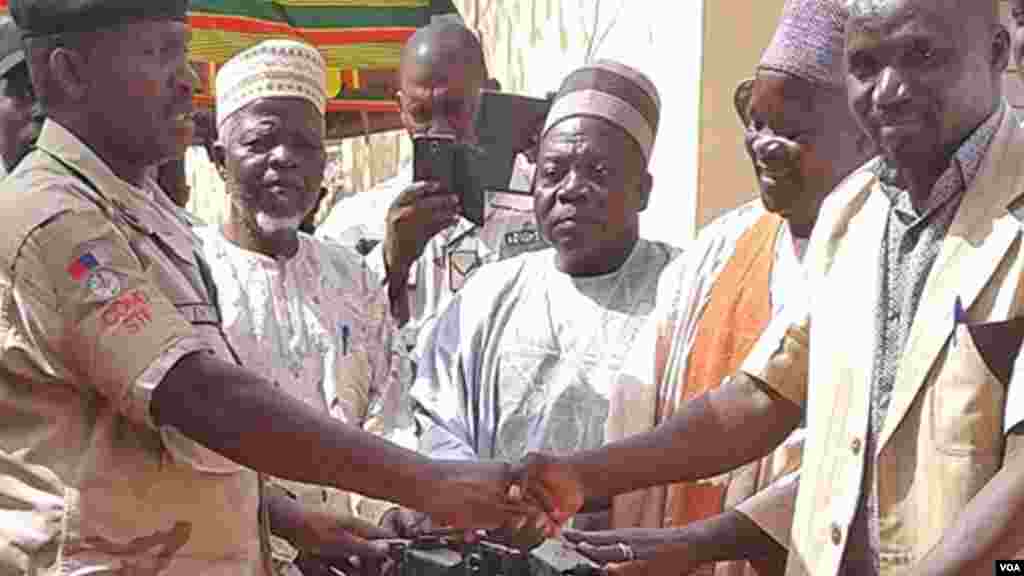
{"points": [[958, 176], [225, 248], [57, 140]]}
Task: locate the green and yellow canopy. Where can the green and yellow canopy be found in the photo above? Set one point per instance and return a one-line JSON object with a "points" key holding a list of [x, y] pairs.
{"points": [[360, 39]]}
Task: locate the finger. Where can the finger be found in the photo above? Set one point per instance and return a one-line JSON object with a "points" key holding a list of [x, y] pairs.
{"points": [[534, 488], [639, 568], [594, 538], [364, 529], [576, 536], [345, 545], [603, 554], [435, 206], [433, 211], [418, 524], [415, 191]]}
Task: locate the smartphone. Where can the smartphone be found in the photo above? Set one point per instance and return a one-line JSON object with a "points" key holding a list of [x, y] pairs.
{"points": [[433, 160]]}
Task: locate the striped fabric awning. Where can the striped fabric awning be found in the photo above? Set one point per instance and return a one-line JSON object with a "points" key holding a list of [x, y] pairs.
{"points": [[360, 39]]}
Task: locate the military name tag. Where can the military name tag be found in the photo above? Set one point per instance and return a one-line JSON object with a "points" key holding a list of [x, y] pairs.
{"points": [[521, 241], [522, 237]]}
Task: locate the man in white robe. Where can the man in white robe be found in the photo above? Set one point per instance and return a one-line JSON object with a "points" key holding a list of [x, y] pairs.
{"points": [[523, 358], [305, 314]]}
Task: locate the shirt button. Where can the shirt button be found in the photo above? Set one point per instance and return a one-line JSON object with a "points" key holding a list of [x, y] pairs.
{"points": [[837, 534], [855, 445]]}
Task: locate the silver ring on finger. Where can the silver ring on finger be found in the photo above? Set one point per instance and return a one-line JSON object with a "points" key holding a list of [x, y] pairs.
{"points": [[627, 552]]}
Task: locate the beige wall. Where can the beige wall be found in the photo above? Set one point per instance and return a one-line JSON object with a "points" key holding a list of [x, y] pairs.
{"points": [[735, 34]]}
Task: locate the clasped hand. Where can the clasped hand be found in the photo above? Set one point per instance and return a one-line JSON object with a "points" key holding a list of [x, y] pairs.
{"points": [[520, 504]]}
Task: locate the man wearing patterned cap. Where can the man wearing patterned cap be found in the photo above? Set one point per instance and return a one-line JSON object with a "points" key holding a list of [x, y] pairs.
{"points": [[522, 358], [304, 314], [132, 442], [912, 386], [803, 141]]}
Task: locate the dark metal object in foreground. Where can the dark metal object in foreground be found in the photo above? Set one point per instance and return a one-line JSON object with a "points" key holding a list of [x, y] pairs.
{"points": [[445, 557]]}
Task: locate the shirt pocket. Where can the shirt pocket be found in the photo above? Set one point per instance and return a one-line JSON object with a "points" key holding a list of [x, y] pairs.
{"points": [[967, 402]]}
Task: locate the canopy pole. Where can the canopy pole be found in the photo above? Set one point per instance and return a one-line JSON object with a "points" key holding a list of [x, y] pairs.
{"points": [[365, 116]]}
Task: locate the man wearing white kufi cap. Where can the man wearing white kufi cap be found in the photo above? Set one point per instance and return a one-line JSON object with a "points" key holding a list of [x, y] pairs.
{"points": [[303, 313], [522, 358]]}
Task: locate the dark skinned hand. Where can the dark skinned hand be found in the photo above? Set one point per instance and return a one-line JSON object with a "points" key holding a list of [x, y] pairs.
{"points": [[417, 215], [348, 543]]}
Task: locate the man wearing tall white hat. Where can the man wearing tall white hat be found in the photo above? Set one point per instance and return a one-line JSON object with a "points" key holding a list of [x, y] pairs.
{"points": [[303, 313], [523, 357]]}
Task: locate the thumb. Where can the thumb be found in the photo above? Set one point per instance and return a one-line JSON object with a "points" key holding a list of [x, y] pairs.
{"points": [[638, 568]]}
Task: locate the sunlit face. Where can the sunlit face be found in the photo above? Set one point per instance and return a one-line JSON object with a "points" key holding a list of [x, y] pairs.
{"points": [[140, 88], [590, 185], [273, 158], [797, 136], [918, 81]]}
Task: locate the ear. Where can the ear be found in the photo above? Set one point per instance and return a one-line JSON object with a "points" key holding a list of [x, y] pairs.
{"points": [[741, 100], [646, 185], [69, 71], [1001, 47], [220, 156], [403, 115]]}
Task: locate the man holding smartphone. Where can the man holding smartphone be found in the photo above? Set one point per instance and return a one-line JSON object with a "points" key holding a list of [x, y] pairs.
{"points": [[428, 248]]}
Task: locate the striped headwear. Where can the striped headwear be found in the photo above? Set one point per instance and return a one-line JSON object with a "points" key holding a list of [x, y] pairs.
{"points": [[808, 42], [274, 68], [614, 92]]}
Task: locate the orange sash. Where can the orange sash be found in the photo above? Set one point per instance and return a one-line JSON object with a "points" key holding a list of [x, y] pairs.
{"points": [[738, 310]]}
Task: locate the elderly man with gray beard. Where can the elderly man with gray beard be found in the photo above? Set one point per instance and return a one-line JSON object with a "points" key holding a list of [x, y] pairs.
{"points": [[303, 313]]}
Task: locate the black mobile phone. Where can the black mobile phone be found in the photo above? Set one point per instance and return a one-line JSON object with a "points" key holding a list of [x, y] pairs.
{"points": [[433, 160]]}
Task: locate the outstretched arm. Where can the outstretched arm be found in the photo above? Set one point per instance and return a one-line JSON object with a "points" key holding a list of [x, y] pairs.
{"points": [[742, 420], [755, 531], [720, 431], [245, 418]]}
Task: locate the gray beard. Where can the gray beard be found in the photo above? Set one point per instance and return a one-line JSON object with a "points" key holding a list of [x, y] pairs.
{"points": [[269, 225]]}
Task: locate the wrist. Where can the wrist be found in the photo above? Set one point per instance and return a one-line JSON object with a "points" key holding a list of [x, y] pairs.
{"points": [[589, 484], [432, 479]]}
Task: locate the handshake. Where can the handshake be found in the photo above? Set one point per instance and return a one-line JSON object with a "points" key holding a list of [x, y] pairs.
{"points": [[518, 504]]}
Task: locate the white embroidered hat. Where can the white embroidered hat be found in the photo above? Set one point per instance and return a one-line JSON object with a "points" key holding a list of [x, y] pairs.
{"points": [[274, 68]]}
